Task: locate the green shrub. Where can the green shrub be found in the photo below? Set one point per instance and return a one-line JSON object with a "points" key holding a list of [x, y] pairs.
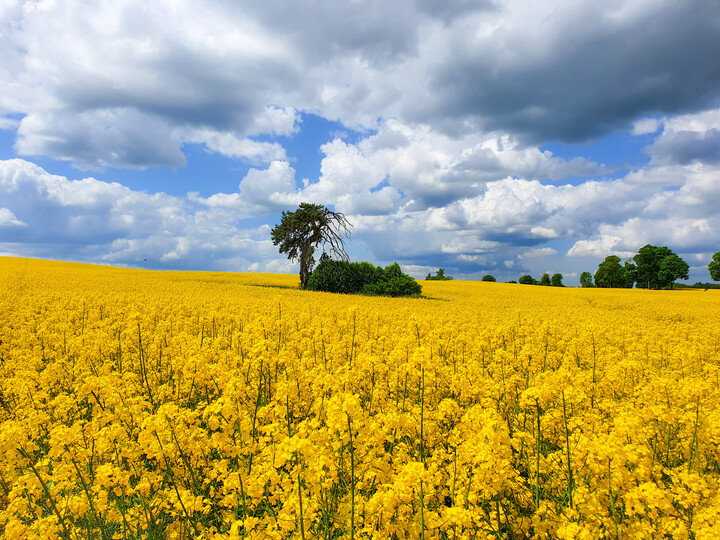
{"points": [[362, 277], [335, 276]]}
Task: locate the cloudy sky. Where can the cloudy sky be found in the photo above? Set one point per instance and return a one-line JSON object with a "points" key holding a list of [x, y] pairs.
{"points": [[481, 136]]}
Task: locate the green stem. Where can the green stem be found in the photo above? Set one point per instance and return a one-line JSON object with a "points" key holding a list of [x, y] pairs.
{"points": [[352, 479], [537, 457], [422, 511], [47, 492], [567, 447], [103, 532]]}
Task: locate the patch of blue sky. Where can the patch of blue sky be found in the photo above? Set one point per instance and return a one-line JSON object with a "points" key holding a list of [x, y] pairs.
{"points": [[303, 148], [621, 152]]}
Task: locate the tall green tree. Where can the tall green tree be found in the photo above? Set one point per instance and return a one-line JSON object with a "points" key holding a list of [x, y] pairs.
{"points": [[611, 274], [526, 280], [545, 279], [650, 273], [714, 267], [586, 280], [556, 280], [672, 268], [630, 272], [302, 231]]}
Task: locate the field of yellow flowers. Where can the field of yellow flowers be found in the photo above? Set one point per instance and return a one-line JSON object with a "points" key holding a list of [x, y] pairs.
{"points": [[138, 404]]}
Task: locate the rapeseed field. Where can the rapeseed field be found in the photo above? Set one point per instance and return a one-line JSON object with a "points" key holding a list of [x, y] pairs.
{"points": [[146, 405]]}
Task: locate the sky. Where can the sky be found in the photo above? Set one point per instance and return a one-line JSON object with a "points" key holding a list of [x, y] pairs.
{"points": [[479, 136]]}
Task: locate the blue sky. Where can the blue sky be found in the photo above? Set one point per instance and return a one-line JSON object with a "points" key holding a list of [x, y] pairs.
{"points": [[502, 137]]}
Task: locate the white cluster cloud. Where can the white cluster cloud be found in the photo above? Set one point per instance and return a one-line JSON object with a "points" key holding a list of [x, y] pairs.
{"points": [[94, 221]]}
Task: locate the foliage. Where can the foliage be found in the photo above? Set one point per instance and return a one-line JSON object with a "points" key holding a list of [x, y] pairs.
{"points": [[611, 274], [650, 272], [439, 276], [221, 406], [586, 280], [301, 231], [714, 267], [556, 280], [526, 280], [343, 277], [647, 262], [488, 277], [352, 278], [545, 280], [393, 283], [672, 267]]}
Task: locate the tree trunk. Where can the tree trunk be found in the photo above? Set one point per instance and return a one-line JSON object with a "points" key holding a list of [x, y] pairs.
{"points": [[305, 262], [304, 273]]}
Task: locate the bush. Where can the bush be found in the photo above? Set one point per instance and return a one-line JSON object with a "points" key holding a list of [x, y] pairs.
{"points": [[526, 280], [488, 278], [362, 277], [334, 276]]}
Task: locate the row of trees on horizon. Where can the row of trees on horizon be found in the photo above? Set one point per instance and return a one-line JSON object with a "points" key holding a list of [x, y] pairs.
{"points": [[653, 267], [302, 230]]}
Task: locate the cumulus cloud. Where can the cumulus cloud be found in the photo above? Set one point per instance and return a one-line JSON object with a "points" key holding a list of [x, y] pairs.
{"points": [[51, 216], [414, 166], [575, 73], [123, 138], [228, 144], [8, 219], [119, 83], [687, 139], [8, 123]]}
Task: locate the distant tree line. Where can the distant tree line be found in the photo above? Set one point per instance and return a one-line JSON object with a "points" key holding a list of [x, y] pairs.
{"points": [[545, 280], [653, 267], [302, 231], [439, 276]]}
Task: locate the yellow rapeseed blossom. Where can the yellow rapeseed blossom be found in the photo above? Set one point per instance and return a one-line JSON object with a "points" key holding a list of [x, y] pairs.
{"points": [[139, 404]]}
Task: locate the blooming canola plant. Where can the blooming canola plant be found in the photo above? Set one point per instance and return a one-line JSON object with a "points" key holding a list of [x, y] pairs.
{"points": [[139, 404]]}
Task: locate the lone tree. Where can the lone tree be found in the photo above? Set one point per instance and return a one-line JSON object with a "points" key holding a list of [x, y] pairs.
{"points": [[714, 267], [301, 231]]}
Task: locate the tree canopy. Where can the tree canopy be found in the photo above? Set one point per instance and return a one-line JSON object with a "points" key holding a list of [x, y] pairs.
{"points": [[611, 274], [439, 276], [300, 232], [714, 267], [656, 267], [673, 267], [586, 280]]}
